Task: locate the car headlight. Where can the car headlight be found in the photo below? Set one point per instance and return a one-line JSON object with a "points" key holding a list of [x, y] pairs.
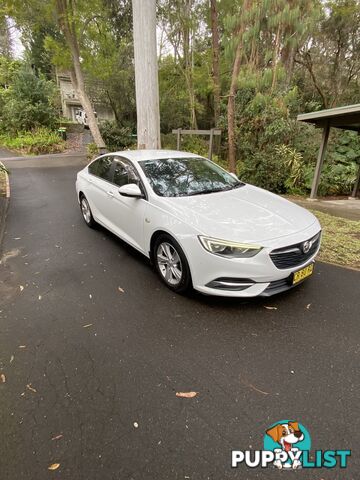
{"points": [[229, 249]]}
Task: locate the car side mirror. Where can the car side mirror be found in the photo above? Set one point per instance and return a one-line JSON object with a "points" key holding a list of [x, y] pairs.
{"points": [[131, 190]]}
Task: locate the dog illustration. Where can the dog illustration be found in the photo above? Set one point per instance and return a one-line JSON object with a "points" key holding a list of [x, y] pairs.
{"points": [[286, 434]]}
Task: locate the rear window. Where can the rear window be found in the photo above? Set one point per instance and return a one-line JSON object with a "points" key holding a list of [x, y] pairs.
{"points": [[101, 168]]}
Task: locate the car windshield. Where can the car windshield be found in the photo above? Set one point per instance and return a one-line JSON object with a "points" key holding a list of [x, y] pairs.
{"points": [[178, 177]]}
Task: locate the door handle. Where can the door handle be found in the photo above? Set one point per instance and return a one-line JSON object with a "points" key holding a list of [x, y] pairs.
{"points": [[111, 194]]}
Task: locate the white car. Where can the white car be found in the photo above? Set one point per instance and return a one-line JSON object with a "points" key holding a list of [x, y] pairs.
{"points": [[81, 117], [200, 225]]}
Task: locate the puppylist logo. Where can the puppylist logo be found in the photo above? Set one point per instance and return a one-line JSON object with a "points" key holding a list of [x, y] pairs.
{"points": [[287, 445]]}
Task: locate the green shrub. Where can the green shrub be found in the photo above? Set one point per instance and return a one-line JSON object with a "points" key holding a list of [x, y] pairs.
{"points": [[27, 104], [115, 137], [276, 152], [92, 151], [37, 142], [189, 143]]}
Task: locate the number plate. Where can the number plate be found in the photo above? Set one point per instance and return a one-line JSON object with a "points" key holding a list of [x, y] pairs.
{"points": [[303, 273]]}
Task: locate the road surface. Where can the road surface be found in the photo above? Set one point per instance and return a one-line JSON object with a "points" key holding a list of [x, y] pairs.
{"points": [[93, 349]]}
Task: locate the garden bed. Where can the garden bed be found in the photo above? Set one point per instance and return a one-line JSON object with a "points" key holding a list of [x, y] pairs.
{"points": [[37, 142]]}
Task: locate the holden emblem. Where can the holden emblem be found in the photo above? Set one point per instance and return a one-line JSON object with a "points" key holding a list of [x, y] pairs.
{"points": [[306, 246]]}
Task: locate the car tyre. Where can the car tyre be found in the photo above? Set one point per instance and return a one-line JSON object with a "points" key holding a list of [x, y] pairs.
{"points": [[171, 264], [86, 212]]}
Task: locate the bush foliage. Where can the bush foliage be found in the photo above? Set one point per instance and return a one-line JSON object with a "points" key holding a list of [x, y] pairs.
{"points": [[28, 103], [35, 142], [28, 111], [278, 153], [115, 137]]}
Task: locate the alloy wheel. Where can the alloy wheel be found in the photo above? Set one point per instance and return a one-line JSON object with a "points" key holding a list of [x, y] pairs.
{"points": [[169, 263], [85, 209]]}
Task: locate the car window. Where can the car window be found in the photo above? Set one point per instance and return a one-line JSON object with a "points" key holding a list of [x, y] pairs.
{"points": [[102, 168], [173, 177], [124, 172]]}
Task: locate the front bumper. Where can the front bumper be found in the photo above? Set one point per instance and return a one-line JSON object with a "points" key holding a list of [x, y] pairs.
{"points": [[248, 277]]}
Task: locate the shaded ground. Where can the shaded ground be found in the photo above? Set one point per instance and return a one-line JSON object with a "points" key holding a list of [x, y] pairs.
{"points": [[345, 208], [85, 361], [5, 153]]}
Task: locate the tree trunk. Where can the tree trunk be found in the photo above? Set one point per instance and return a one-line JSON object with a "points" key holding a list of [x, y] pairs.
{"points": [[188, 63], [276, 57], [231, 107], [215, 59], [233, 91], [146, 74], [113, 107], [66, 14]]}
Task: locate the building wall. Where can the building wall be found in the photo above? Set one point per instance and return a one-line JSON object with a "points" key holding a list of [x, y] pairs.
{"points": [[70, 102]]}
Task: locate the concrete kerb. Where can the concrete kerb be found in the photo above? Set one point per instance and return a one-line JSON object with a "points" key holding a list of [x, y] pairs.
{"points": [[4, 205]]}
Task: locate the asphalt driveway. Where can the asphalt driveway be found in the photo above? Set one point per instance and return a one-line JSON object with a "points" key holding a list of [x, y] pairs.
{"points": [[93, 349]]}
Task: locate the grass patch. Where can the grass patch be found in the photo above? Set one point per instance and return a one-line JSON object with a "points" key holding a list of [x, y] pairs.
{"points": [[37, 142], [340, 240]]}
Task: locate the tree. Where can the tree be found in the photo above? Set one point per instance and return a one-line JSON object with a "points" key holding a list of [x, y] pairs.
{"points": [[180, 19], [67, 25], [215, 58], [5, 38], [238, 32], [107, 60], [66, 15], [146, 74], [331, 54]]}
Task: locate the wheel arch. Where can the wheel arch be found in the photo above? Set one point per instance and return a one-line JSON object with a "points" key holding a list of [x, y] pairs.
{"points": [[153, 238], [159, 232]]}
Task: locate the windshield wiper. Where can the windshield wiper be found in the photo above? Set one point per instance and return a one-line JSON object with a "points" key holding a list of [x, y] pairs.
{"points": [[203, 192], [237, 185], [214, 190]]}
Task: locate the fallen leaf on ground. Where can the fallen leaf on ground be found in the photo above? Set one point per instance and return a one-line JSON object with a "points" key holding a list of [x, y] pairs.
{"points": [[22, 346], [32, 389], [90, 296], [121, 290], [21, 288], [40, 297], [57, 437], [12, 358], [2, 378], [88, 325], [186, 394], [54, 466], [136, 425], [270, 308], [308, 306]]}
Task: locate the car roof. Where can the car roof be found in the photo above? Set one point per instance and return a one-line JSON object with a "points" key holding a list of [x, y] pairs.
{"points": [[139, 155]]}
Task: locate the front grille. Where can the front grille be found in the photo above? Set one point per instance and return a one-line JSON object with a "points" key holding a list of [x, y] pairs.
{"points": [[294, 255]]}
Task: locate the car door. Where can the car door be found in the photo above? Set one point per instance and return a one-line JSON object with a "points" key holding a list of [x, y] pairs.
{"points": [[127, 214], [99, 189]]}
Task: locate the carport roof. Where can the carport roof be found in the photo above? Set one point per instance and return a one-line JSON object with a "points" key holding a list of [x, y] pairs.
{"points": [[347, 118]]}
